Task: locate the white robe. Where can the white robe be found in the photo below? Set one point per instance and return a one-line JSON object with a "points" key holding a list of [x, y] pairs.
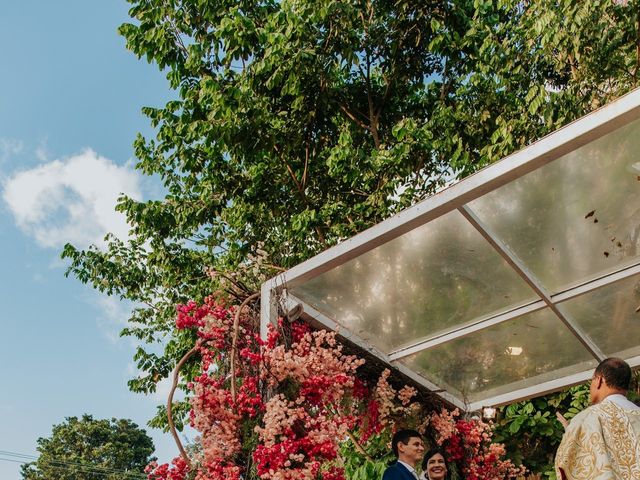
{"points": [[601, 443]]}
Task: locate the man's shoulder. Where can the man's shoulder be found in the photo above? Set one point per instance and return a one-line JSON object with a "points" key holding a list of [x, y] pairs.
{"points": [[593, 415], [594, 411], [394, 466], [394, 471], [586, 420]]}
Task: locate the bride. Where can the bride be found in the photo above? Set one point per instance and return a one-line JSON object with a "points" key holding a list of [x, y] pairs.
{"points": [[434, 466]]}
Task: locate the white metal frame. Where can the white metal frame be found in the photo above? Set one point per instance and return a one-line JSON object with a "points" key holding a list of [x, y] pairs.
{"points": [[456, 197], [483, 323]]}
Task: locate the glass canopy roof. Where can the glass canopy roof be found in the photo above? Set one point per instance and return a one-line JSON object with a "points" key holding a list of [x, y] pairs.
{"points": [[511, 283]]}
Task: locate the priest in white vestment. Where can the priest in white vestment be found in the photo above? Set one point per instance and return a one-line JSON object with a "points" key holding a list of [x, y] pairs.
{"points": [[603, 441]]}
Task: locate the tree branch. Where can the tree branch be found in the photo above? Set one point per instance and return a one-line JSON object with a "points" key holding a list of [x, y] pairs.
{"points": [[292, 174], [321, 237], [172, 427], [306, 164], [353, 118], [234, 341], [359, 447]]}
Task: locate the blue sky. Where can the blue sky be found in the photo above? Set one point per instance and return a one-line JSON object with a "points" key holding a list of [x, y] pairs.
{"points": [[70, 100]]}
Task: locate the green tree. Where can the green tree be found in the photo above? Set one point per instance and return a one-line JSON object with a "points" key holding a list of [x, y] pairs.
{"points": [[531, 430], [298, 123], [87, 449]]}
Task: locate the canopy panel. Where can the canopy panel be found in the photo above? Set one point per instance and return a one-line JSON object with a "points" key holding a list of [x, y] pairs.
{"points": [[391, 296], [510, 283]]}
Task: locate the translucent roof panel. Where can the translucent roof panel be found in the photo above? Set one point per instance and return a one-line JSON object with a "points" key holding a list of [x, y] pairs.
{"points": [[510, 283], [573, 218], [610, 316], [508, 356], [433, 278]]}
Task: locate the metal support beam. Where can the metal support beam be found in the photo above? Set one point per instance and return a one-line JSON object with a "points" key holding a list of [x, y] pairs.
{"points": [[515, 263], [356, 340], [269, 296], [533, 391], [542, 388], [553, 146], [598, 282], [474, 326]]}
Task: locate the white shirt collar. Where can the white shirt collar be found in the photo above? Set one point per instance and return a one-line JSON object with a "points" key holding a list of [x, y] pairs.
{"points": [[408, 467], [621, 401]]}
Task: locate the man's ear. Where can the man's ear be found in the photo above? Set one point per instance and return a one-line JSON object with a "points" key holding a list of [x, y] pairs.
{"points": [[401, 447], [599, 381]]}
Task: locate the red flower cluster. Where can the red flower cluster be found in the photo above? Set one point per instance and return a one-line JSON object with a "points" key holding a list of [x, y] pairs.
{"points": [[316, 388], [296, 398], [217, 470], [298, 330], [371, 423], [191, 315], [177, 471], [333, 473], [468, 443]]}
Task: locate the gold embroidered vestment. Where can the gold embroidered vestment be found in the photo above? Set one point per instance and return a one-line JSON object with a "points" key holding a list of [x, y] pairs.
{"points": [[601, 443]]}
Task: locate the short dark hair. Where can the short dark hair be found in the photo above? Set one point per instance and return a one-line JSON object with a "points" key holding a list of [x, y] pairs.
{"points": [[616, 373], [402, 436], [431, 453]]}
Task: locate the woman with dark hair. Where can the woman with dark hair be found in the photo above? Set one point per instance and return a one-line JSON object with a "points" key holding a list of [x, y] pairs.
{"points": [[434, 466]]}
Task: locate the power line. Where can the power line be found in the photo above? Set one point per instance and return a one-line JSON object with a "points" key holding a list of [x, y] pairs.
{"points": [[14, 454], [83, 469], [67, 465], [8, 460]]}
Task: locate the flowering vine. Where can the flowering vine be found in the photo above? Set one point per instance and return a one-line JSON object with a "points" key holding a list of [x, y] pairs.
{"points": [[467, 442], [284, 408]]}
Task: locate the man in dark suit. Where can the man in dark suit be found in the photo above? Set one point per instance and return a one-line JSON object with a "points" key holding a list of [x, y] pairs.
{"points": [[408, 448]]}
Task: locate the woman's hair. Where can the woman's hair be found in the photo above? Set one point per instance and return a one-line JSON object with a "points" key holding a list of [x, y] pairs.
{"points": [[431, 453]]}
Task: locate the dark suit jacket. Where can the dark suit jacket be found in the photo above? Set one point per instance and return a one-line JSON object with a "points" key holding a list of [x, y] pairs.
{"points": [[397, 471]]}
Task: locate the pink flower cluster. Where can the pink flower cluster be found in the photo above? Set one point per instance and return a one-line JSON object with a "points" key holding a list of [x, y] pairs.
{"points": [[444, 424], [295, 433], [302, 428], [177, 471], [214, 415], [392, 403], [292, 399], [193, 315], [468, 443]]}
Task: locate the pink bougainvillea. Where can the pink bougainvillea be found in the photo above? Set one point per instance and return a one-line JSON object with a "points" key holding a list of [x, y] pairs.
{"points": [[178, 470], [468, 443], [302, 429], [291, 400], [298, 426]]}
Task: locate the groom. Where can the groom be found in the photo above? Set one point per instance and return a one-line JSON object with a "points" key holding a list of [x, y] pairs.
{"points": [[408, 448]]}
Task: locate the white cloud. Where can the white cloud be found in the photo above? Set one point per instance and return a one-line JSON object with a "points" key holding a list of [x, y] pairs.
{"points": [[42, 152], [9, 147], [71, 200], [114, 315]]}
